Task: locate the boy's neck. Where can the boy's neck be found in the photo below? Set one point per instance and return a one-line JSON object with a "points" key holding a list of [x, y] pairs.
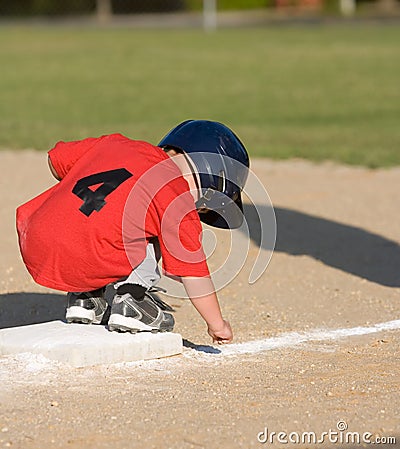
{"points": [[183, 165]]}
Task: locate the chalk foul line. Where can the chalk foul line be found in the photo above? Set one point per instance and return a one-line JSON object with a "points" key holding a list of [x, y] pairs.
{"points": [[289, 339]]}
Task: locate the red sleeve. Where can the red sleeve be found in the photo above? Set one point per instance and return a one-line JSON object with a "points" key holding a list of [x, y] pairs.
{"points": [[64, 155], [181, 248]]}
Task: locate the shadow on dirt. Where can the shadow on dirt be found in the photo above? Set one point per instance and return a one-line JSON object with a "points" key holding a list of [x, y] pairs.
{"points": [[201, 348], [348, 248], [21, 309]]}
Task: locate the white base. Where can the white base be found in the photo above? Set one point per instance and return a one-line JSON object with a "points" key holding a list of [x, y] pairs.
{"points": [[84, 345]]}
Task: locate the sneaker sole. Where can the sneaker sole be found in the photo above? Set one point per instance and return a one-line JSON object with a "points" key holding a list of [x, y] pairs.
{"points": [[122, 323], [76, 314]]}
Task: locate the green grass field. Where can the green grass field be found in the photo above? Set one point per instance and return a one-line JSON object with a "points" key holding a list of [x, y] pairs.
{"points": [[315, 92]]}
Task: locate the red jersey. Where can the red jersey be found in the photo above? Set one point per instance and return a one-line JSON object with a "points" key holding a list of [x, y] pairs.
{"points": [[92, 228]]}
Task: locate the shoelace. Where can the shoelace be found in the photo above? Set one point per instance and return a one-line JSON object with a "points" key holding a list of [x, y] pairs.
{"points": [[157, 301]]}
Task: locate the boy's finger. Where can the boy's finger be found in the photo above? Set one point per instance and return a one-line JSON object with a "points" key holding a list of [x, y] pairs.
{"points": [[221, 341]]}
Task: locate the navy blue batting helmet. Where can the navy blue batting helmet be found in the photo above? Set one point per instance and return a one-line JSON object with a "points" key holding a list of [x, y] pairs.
{"points": [[222, 163]]}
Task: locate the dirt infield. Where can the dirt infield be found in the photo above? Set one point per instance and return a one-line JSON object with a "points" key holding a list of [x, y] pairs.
{"points": [[336, 266]]}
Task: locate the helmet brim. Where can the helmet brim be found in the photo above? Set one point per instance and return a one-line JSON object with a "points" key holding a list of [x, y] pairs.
{"points": [[228, 216]]}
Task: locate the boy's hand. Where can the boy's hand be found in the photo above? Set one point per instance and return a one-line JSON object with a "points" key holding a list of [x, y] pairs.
{"points": [[201, 292], [222, 334]]}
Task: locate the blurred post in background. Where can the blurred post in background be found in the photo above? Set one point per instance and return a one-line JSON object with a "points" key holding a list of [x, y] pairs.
{"points": [[104, 10], [210, 15], [347, 7]]}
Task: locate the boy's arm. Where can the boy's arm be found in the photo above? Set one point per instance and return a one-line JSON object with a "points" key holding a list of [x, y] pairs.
{"points": [[203, 297]]}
